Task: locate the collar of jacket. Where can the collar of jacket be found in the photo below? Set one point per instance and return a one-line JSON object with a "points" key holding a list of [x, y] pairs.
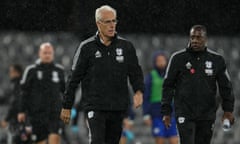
{"points": [[38, 62], [98, 39], [190, 50]]}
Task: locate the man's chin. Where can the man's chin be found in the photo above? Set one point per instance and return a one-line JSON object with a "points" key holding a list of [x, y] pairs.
{"points": [[47, 62], [111, 35], [196, 48]]}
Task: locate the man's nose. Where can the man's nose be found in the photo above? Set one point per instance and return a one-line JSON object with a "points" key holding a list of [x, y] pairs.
{"points": [[194, 40], [112, 25]]}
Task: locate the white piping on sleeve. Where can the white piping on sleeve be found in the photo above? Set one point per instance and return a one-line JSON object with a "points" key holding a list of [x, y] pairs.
{"points": [[89, 132], [170, 61], [77, 54], [24, 77]]}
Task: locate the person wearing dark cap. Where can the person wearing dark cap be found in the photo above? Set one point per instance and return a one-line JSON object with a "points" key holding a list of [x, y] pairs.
{"points": [[192, 77]]}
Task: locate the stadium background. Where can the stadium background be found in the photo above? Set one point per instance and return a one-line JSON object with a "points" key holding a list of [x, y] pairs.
{"points": [[150, 25]]}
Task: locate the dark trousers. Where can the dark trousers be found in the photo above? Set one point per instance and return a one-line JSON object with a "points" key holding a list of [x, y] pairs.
{"points": [[105, 127], [195, 132]]}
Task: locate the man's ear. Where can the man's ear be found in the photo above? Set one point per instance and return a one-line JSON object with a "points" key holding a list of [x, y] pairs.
{"points": [[206, 41], [97, 23], [39, 51]]}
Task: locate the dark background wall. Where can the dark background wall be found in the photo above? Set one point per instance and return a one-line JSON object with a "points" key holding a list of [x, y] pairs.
{"points": [[135, 16]]}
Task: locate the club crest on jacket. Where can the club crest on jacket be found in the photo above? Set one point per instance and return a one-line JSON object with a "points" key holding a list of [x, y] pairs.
{"points": [[98, 54], [39, 75], [55, 77], [188, 65]]}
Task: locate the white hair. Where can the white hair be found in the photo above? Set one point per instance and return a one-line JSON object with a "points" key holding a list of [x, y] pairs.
{"points": [[98, 13]]}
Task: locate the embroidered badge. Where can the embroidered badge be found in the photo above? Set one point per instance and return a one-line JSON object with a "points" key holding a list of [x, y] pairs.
{"points": [[181, 120], [55, 77], [119, 51], [39, 75], [188, 65], [98, 54]]}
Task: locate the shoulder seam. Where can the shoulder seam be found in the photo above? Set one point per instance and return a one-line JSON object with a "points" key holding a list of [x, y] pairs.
{"points": [[119, 37], [24, 77], [213, 52], [59, 66], [76, 56], [170, 60], [178, 52], [87, 40]]}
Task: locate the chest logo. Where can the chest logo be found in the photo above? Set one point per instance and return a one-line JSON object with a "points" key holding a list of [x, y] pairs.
{"points": [[120, 59], [119, 55], [55, 77], [209, 72], [119, 51], [188, 65], [98, 54], [208, 64], [181, 120], [39, 75], [90, 114]]}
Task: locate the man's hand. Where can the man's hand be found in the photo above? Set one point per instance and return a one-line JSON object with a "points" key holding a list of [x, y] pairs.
{"points": [[65, 115], [138, 99], [167, 121], [21, 117], [229, 116], [127, 124]]}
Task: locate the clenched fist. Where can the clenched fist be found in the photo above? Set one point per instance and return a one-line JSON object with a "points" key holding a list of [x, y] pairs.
{"points": [[229, 116], [65, 115], [167, 121], [138, 99]]}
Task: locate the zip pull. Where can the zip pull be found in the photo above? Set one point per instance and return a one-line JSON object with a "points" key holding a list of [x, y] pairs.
{"points": [[108, 53]]}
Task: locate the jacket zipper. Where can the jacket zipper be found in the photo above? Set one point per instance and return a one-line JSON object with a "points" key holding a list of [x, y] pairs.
{"points": [[109, 66]]}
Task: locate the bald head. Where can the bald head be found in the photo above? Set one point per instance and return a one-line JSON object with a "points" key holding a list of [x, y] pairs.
{"points": [[46, 53], [200, 28]]}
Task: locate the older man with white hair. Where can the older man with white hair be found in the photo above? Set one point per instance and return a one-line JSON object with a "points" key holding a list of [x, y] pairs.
{"points": [[103, 64]]}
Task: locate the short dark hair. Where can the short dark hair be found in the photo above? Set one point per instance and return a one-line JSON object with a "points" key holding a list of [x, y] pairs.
{"points": [[18, 68], [199, 28]]}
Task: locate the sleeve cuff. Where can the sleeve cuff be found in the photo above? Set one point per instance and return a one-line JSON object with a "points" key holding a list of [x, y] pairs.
{"points": [[141, 90], [67, 106]]}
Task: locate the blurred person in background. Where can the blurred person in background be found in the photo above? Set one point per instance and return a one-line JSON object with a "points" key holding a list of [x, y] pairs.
{"points": [[10, 121], [13, 94], [75, 115], [42, 86], [152, 102], [103, 64], [191, 79], [15, 72], [128, 123]]}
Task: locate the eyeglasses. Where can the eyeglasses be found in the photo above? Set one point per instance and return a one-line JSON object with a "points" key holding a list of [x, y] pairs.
{"points": [[108, 22]]}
